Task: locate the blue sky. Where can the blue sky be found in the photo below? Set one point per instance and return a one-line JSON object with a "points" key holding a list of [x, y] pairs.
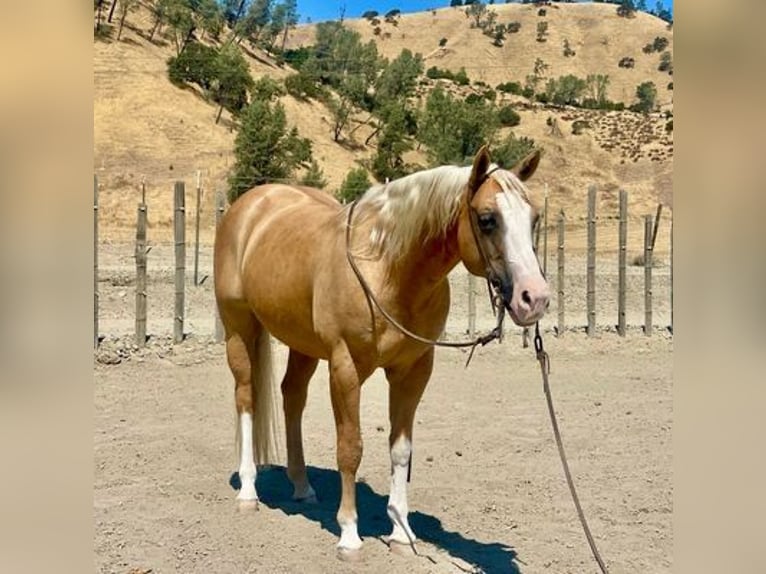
{"points": [[319, 10]]}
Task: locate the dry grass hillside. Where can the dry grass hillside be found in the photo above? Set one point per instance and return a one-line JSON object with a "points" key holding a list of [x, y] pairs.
{"points": [[146, 129]]}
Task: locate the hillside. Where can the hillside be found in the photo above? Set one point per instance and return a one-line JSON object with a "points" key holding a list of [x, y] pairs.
{"points": [[146, 129]]}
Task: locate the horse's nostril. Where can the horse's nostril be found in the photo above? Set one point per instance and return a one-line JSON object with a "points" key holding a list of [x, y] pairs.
{"points": [[526, 298]]}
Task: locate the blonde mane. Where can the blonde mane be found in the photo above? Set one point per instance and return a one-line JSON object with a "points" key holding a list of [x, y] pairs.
{"points": [[420, 206]]}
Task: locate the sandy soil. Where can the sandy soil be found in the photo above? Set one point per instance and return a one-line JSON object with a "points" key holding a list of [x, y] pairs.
{"points": [[487, 492]]}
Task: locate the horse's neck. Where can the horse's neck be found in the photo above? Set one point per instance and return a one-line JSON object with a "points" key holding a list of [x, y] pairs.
{"points": [[426, 264]]}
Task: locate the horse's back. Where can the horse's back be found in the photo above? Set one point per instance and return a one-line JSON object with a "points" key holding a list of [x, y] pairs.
{"points": [[268, 247]]}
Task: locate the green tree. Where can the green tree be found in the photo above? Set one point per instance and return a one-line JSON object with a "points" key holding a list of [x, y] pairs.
{"points": [[454, 130], [126, 6], [180, 20], [197, 64], [314, 176], [646, 93], [354, 185], [596, 86], [265, 149], [291, 19], [626, 9], [399, 78], [210, 17], [233, 80], [566, 90], [393, 142], [508, 152], [252, 23]]}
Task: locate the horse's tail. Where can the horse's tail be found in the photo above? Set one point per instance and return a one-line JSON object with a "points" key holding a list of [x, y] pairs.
{"points": [[266, 435]]}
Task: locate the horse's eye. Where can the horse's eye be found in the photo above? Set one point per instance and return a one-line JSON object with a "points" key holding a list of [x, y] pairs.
{"points": [[487, 222]]}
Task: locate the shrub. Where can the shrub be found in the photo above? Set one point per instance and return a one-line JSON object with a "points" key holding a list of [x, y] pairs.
{"points": [[354, 185], [490, 95], [302, 86], [669, 126], [670, 86], [542, 31], [542, 12], [393, 13], [508, 116], [528, 92], [666, 63], [473, 99], [509, 88], [513, 27], [579, 125], [626, 9], [370, 14], [443, 42], [461, 78], [660, 43], [568, 51], [511, 150], [627, 62]]}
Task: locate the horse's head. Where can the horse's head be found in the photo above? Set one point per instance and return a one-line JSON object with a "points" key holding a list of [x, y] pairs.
{"points": [[495, 235]]}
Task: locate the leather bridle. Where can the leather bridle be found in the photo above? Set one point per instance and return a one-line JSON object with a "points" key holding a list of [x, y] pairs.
{"points": [[494, 285]]}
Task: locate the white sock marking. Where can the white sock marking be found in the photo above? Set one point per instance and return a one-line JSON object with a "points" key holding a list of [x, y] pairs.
{"points": [[397, 499], [246, 463]]}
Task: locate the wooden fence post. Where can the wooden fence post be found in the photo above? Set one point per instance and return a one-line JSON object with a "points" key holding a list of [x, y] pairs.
{"points": [[545, 233], [219, 208], [141, 253], [622, 263], [560, 274], [196, 231], [648, 275], [591, 267], [656, 224], [179, 232], [471, 305], [671, 276], [95, 261]]}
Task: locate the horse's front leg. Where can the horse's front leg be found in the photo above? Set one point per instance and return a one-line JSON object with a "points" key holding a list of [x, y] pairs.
{"points": [[345, 385], [406, 386]]}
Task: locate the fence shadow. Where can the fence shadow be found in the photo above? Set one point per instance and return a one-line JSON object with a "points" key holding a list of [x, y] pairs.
{"points": [[275, 491]]}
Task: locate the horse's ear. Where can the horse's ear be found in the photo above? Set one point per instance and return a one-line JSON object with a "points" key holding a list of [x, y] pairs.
{"points": [[527, 166], [480, 167]]}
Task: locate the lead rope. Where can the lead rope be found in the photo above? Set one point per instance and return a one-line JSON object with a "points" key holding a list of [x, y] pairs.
{"points": [[545, 368]]}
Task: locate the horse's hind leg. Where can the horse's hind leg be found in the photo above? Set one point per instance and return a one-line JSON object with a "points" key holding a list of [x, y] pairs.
{"points": [[406, 386], [242, 332], [295, 383]]}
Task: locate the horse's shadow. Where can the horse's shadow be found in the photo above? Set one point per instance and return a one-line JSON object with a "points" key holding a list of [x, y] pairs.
{"points": [[275, 491]]}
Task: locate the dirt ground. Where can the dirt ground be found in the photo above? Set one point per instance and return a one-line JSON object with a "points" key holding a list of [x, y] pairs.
{"points": [[487, 493]]}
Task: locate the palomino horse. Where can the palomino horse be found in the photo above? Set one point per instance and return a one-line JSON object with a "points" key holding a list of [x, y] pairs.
{"points": [[281, 268]]}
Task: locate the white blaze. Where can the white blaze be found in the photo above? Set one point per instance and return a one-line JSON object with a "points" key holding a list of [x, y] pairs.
{"points": [[516, 216]]}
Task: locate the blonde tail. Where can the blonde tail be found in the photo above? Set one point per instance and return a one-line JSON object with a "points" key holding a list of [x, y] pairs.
{"points": [[266, 434]]}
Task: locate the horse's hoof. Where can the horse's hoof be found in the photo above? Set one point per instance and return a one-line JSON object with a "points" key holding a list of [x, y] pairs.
{"points": [[349, 554], [401, 548], [247, 505]]}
